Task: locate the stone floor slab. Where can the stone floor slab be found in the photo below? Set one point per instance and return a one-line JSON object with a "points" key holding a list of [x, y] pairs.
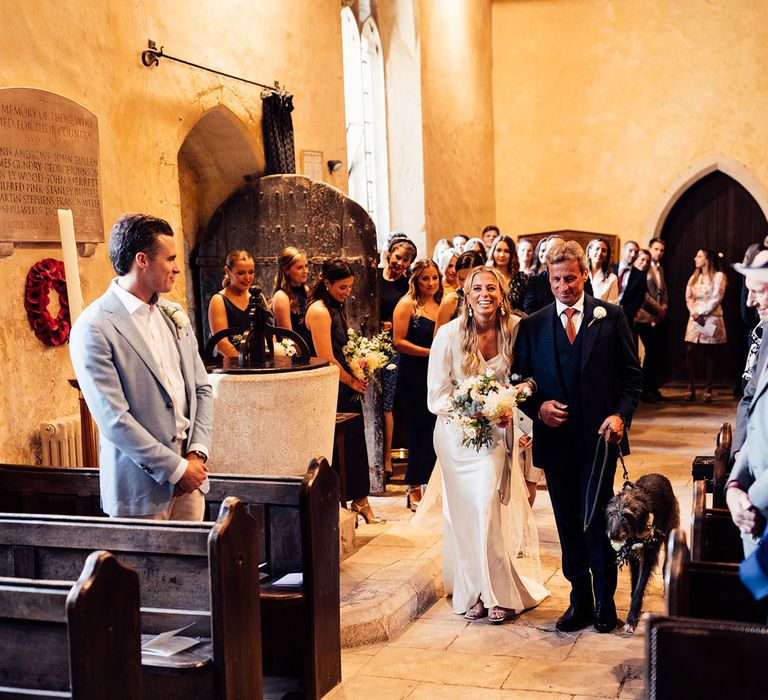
{"points": [[575, 677]]}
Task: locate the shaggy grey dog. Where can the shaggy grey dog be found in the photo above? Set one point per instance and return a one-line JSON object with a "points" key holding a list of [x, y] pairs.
{"points": [[638, 520]]}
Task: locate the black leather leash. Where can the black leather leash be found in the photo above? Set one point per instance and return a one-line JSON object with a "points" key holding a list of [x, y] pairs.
{"points": [[602, 441]]}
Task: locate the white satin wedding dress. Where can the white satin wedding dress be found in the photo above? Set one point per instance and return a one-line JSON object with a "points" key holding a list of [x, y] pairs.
{"points": [[483, 537]]}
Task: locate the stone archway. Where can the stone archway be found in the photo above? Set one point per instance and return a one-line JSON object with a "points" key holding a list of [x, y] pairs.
{"points": [[218, 154]]}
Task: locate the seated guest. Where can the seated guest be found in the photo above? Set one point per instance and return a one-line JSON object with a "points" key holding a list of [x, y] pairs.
{"points": [[413, 329], [450, 306], [525, 250], [326, 320], [393, 284], [440, 247], [229, 307], [503, 256], [489, 235], [447, 266], [290, 295], [605, 284], [459, 241], [476, 244]]}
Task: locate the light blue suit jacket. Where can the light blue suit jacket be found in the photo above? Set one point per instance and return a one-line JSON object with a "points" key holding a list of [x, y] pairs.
{"points": [[137, 428], [751, 466]]}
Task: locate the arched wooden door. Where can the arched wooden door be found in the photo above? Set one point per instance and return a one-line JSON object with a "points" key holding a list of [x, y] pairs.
{"points": [[718, 214]]}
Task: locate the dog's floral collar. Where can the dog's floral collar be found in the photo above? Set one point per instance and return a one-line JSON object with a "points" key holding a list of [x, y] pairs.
{"points": [[632, 546]]}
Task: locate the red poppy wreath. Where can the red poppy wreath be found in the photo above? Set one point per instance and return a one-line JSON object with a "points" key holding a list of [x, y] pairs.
{"points": [[42, 277]]}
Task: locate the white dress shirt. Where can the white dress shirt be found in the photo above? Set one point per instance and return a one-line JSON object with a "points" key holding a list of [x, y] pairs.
{"points": [[159, 339], [577, 317]]}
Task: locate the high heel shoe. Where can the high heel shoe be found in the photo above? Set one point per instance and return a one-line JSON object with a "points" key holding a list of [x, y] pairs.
{"points": [[413, 498], [366, 513], [690, 396], [707, 398]]}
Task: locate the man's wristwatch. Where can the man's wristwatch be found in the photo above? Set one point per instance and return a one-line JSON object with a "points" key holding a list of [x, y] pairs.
{"points": [[203, 457]]}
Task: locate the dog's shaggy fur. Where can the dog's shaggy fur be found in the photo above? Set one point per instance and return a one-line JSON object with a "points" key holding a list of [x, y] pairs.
{"points": [[627, 520]]}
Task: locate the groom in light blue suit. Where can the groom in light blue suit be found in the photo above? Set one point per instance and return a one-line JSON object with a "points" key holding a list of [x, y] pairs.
{"points": [[138, 366]]}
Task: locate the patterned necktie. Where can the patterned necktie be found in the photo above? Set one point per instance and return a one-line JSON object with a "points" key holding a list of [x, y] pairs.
{"points": [[570, 326]]}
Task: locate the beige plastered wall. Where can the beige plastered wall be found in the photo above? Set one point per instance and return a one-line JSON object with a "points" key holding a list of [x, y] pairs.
{"points": [[605, 109], [89, 52], [457, 113]]}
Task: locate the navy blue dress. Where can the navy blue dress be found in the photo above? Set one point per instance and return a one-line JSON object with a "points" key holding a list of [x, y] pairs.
{"points": [[412, 384]]}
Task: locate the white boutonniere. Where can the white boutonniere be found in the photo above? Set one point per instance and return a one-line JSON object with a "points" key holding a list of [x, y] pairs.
{"points": [[175, 313], [597, 315]]}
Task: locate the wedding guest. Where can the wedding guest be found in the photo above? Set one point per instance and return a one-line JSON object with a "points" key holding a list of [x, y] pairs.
{"points": [[503, 257], [327, 322], [476, 244], [539, 291], [228, 308], [605, 284], [632, 282], [290, 295], [540, 255], [706, 328], [413, 329], [489, 235], [525, 252], [440, 247], [650, 323], [451, 305], [447, 267], [393, 284], [482, 532], [459, 241]]}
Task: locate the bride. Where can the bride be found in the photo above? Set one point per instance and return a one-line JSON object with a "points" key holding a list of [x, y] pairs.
{"points": [[487, 521]]}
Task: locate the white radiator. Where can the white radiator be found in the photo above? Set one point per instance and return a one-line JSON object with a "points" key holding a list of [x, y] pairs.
{"points": [[61, 442]]}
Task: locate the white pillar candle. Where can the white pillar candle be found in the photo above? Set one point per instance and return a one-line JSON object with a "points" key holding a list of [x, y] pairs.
{"points": [[69, 251]]}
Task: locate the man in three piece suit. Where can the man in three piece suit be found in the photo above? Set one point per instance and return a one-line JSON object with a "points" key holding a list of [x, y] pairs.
{"points": [[580, 354], [747, 489], [632, 282], [138, 366]]}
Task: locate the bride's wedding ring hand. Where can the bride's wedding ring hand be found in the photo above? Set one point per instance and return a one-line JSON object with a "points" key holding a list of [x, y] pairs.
{"points": [[553, 413], [614, 425]]}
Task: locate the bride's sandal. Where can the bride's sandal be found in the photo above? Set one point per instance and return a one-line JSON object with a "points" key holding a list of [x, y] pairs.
{"points": [[497, 615], [477, 611]]}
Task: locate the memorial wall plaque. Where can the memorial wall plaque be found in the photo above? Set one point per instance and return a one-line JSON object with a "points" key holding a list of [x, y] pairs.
{"points": [[49, 160]]}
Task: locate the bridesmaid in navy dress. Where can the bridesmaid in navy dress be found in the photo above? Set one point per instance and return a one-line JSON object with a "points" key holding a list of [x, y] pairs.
{"points": [[413, 328], [327, 322], [290, 296], [229, 307]]}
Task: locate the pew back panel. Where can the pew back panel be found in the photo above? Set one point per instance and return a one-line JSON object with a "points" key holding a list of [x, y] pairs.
{"points": [[714, 537], [81, 640]]}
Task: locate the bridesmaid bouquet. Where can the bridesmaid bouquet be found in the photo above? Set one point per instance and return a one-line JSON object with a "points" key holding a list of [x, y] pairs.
{"points": [[479, 404], [366, 357]]}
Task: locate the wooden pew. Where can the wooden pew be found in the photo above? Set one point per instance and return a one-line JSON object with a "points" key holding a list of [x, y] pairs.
{"points": [[704, 659], [188, 573], [714, 469], [300, 519], [299, 533], [707, 590], [714, 537], [79, 641]]}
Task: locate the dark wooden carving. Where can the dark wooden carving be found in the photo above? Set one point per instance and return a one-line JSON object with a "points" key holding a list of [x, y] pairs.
{"points": [[265, 216]]}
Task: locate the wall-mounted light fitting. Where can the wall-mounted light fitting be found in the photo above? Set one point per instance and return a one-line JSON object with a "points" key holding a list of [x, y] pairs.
{"points": [[334, 166]]}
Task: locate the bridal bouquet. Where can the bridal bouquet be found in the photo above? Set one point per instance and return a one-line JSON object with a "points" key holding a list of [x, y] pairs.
{"points": [[479, 404], [366, 357]]}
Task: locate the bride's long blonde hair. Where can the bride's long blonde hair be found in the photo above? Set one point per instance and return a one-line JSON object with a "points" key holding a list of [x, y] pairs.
{"points": [[505, 325]]}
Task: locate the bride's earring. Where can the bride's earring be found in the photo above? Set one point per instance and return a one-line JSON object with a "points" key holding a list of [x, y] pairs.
{"points": [[470, 312], [503, 313]]}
